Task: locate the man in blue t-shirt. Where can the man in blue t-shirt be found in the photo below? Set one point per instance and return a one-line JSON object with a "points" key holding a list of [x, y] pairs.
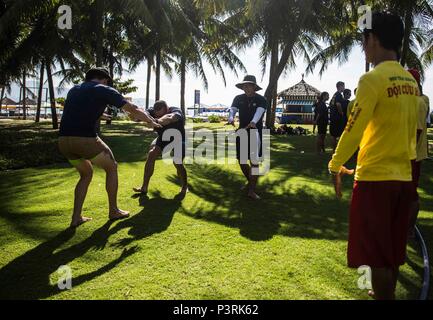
{"points": [[252, 108], [171, 133], [79, 141]]}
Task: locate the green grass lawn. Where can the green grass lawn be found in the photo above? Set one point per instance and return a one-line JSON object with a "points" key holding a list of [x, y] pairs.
{"points": [[213, 245]]}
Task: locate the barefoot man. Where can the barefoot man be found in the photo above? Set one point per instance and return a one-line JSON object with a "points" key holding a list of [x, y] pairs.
{"points": [[251, 107], [384, 125], [171, 119], [80, 144]]}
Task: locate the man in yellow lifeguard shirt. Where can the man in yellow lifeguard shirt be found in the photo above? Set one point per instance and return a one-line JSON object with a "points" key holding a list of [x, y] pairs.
{"points": [[383, 125], [421, 150]]}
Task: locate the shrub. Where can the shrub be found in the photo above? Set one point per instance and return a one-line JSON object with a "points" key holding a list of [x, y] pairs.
{"points": [[214, 119]]}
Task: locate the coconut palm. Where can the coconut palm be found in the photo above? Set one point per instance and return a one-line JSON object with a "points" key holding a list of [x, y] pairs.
{"points": [[418, 19], [201, 38]]}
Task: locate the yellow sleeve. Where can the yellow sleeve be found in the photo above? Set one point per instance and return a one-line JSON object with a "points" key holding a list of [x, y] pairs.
{"points": [[350, 108], [422, 114], [366, 101]]}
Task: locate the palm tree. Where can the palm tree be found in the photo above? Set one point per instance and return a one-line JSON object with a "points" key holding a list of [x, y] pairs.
{"points": [[40, 92], [286, 30], [202, 37], [2, 94], [418, 18]]}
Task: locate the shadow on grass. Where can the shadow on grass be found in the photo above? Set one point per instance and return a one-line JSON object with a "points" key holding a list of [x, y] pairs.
{"points": [[28, 276], [284, 214]]}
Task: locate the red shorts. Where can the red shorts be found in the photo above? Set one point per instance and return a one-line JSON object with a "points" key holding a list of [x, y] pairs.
{"points": [[416, 174], [379, 223]]}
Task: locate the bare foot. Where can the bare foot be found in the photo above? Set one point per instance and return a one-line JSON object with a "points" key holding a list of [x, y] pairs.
{"points": [[140, 190], [372, 294], [77, 223], [254, 196], [119, 215]]}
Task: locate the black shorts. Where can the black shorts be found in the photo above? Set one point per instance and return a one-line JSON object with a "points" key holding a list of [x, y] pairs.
{"points": [[158, 142], [336, 129], [322, 128], [245, 152]]}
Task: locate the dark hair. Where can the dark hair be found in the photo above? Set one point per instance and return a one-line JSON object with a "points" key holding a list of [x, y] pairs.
{"points": [[389, 29], [160, 105], [97, 73], [347, 91], [340, 83], [322, 96]]}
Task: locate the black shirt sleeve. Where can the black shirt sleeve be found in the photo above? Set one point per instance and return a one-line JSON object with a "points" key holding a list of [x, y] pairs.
{"points": [[339, 98], [178, 113], [235, 103], [262, 103], [112, 97]]}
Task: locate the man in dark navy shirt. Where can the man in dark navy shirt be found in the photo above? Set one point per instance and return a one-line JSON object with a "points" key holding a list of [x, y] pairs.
{"points": [[337, 115], [251, 107], [171, 133], [79, 141]]}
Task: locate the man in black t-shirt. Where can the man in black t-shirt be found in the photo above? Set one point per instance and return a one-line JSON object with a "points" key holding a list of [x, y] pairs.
{"points": [[347, 94], [321, 120], [79, 141], [252, 108], [171, 133], [337, 115]]}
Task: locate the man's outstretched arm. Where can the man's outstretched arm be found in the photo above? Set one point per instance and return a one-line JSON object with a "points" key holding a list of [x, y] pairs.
{"points": [[169, 119], [137, 114]]}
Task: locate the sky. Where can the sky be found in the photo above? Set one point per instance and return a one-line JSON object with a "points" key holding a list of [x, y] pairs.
{"points": [[349, 72]]}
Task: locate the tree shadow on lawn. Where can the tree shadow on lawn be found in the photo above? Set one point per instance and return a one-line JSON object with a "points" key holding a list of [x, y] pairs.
{"points": [[297, 212], [156, 217], [28, 276]]}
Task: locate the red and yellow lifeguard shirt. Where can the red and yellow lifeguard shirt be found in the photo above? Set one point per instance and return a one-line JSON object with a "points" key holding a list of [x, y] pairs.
{"points": [[383, 125]]}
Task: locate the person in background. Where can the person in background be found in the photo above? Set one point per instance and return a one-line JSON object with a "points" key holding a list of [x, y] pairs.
{"points": [[421, 150], [252, 108], [351, 106], [321, 120], [382, 193], [337, 116], [347, 94], [169, 119]]}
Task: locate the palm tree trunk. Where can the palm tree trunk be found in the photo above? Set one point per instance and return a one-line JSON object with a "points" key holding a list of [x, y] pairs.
{"points": [[1, 98], [158, 76], [19, 101], [274, 105], [40, 92], [24, 97], [149, 79], [278, 64], [408, 22], [99, 30], [52, 97], [271, 89], [182, 83]]}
